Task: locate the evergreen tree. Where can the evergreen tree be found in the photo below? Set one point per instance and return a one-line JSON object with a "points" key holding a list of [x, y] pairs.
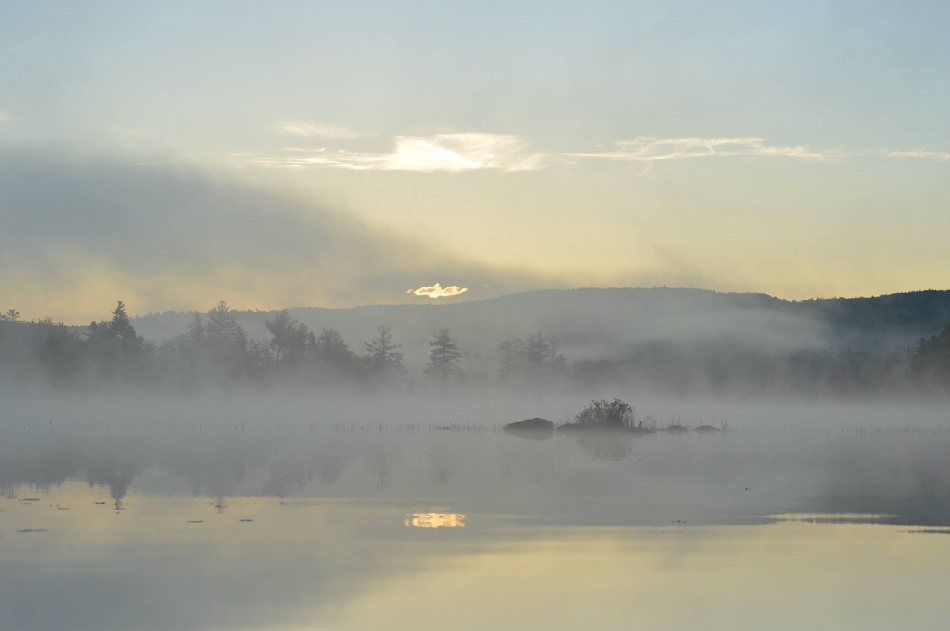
{"points": [[196, 330], [225, 345], [537, 350], [382, 359], [122, 330], [223, 331], [282, 329], [533, 363], [332, 352], [444, 358], [300, 347]]}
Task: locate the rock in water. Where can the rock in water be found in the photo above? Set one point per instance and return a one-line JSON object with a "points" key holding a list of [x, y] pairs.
{"points": [[531, 428]]}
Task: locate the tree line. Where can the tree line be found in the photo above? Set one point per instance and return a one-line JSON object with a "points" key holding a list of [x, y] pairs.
{"points": [[216, 352]]}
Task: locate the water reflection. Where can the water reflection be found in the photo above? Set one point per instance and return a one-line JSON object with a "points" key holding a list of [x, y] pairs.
{"points": [[356, 528], [173, 562], [596, 479], [112, 471], [605, 445], [435, 520]]}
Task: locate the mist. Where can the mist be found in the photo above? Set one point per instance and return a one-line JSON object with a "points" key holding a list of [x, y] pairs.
{"points": [[554, 316], [165, 232], [247, 468]]}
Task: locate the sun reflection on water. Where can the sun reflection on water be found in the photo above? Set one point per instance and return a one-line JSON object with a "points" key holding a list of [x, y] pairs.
{"points": [[435, 520]]}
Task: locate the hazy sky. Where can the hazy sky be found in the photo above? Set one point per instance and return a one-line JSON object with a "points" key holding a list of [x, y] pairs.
{"points": [[308, 153]]}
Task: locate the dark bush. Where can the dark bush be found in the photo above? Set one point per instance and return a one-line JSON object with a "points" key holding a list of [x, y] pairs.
{"points": [[612, 414]]}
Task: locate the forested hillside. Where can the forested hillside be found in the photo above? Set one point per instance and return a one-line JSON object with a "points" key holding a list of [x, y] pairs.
{"points": [[665, 339]]}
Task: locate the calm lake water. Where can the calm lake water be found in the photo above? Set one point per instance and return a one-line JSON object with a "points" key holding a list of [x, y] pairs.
{"points": [[409, 527]]}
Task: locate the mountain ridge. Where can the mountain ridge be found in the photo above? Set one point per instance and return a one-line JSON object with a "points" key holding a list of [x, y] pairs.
{"points": [[600, 321]]}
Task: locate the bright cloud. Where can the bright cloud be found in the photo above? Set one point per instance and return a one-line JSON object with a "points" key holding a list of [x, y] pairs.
{"points": [[4, 116], [441, 152], [462, 152], [438, 291], [303, 129]]}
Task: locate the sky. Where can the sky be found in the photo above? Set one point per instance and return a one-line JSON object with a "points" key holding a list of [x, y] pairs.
{"points": [[333, 154]]}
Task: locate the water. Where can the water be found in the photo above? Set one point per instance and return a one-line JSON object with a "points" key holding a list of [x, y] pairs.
{"points": [[407, 526]]}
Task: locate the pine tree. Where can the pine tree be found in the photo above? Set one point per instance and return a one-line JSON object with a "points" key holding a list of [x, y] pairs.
{"points": [[196, 330], [538, 349], [332, 352], [282, 329], [444, 359], [120, 319], [121, 328], [226, 344], [383, 360]]}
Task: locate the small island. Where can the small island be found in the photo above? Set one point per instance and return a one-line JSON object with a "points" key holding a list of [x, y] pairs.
{"points": [[602, 416], [598, 416]]}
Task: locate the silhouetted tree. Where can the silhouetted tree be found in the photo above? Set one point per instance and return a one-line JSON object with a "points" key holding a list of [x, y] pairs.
{"points": [[121, 328], [225, 346], [282, 333], [332, 352], [512, 358], [383, 361], [537, 350], [12, 315], [223, 331], [196, 330], [115, 349], [533, 363], [444, 358]]}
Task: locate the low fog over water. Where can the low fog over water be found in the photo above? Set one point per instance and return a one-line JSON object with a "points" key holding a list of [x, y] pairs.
{"points": [[268, 511], [474, 315]]}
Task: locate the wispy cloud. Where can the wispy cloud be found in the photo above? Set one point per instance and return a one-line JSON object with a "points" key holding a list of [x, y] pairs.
{"points": [[921, 154], [305, 129], [438, 291], [4, 116], [509, 153], [649, 149], [165, 253], [441, 152]]}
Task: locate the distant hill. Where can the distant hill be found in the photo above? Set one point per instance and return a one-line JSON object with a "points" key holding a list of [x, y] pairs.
{"points": [[608, 322]]}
